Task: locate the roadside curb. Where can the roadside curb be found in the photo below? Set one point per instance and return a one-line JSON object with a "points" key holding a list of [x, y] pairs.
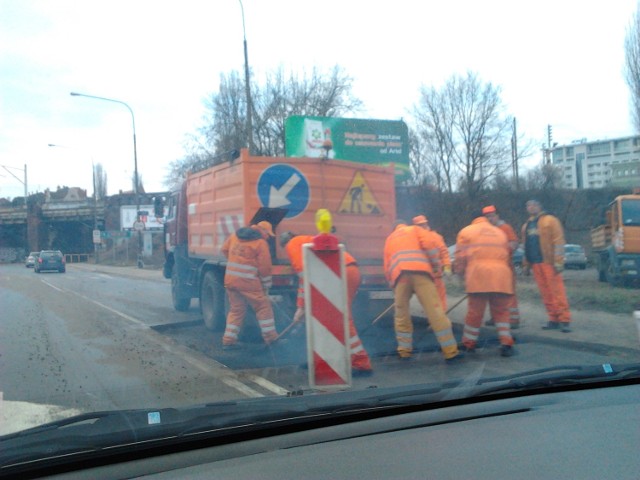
{"points": [[124, 271]]}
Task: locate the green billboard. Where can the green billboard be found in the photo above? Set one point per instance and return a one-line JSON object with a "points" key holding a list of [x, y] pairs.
{"points": [[378, 142]]}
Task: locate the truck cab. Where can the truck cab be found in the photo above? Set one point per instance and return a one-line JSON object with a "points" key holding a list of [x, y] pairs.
{"points": [[617, 242]]}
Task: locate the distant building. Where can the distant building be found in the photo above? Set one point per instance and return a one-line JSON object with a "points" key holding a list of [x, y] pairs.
{"points": [[598, 164]]}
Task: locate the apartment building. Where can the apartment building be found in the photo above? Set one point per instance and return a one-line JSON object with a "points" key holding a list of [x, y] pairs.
{"points": [[614, 162]]}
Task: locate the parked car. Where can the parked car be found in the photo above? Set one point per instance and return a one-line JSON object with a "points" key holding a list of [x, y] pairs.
{"points": [[31, 259], [575, 257], [50, 260]]}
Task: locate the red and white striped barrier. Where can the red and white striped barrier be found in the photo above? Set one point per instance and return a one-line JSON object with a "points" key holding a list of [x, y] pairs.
{"points": [[326, 311]]}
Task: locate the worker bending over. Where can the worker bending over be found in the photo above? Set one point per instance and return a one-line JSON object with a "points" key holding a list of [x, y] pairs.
{"points": [[292, 243], [247, 280], [411, 256]]}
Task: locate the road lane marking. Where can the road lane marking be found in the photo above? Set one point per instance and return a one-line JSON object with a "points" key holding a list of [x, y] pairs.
{"points": [[224, 374], [266, 384], [52, 286]]}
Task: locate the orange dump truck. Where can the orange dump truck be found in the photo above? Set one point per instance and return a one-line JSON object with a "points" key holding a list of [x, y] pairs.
{"points": [[616, 243], [212, 204]]}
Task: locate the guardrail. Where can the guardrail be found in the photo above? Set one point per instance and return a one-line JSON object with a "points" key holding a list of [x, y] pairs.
{"points": [[77, 257]]}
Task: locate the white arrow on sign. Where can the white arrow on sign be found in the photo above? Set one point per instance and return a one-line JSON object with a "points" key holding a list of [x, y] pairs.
{"points": [[278, 196]]}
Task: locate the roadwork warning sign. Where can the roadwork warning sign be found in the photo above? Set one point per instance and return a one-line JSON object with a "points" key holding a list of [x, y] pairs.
{"points": [[358, 199]]}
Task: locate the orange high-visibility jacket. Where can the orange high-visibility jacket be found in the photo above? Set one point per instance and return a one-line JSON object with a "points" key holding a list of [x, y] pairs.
{"points": [[248, 260], [410, 249], [445, 259], [483, 254], [551, 239], [294, 251], [512, 238]]}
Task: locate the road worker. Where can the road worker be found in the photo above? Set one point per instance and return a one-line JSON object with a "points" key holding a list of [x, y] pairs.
{"points": [[247, 280], [492, 215], [482, 257], [292, 243], [445, 261], [411, 256], [543, 239]]}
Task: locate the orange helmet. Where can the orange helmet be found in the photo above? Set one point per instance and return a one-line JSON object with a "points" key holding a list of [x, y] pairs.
{"points": [[420, 220]]}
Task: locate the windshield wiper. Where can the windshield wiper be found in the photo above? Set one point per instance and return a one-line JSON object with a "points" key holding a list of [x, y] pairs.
{"points": [[559, 376]]}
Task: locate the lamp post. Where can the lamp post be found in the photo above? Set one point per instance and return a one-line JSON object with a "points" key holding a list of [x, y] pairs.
{"points": [[135, 165], [247, 87]]}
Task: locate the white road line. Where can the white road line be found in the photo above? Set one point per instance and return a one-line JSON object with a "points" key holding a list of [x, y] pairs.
{"points": [[206, 365], [266, 384], [52, 286]]}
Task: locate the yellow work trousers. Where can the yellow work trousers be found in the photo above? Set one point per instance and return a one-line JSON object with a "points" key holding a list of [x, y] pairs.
{"points": [[423, 287]]}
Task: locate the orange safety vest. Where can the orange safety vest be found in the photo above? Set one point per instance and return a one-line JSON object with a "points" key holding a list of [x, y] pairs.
{"points": [[410, 249], [248, 260], [483, 254]]}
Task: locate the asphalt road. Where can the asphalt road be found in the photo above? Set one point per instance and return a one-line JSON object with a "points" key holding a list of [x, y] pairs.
{"points": [[98, 338]]}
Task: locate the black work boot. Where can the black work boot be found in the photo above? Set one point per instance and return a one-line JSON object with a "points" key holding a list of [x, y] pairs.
{"points": [[506, 350], [551, 326]]}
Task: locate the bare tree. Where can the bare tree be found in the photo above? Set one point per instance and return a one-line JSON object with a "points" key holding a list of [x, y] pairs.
{"points": [[466, 132], [632, 66], [544, 177], [317, 94], [100, 185], [435, 130], [282, 95]]}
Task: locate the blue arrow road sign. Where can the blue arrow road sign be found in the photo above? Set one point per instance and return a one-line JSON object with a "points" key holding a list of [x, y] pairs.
{"points": [[283, 186]]}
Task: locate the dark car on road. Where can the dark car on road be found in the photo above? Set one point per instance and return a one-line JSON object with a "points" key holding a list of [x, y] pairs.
{"points": [[50, 260], [574, 256]]}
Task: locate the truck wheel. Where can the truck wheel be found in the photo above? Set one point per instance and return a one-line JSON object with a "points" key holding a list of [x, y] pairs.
{"points": [[212, 301], [180, 302]]}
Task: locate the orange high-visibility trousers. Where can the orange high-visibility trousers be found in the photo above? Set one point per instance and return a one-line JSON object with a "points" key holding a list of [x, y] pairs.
{"points": [[499, 304], [359, 357], [260, 304], [554, 297], [422, 285]]}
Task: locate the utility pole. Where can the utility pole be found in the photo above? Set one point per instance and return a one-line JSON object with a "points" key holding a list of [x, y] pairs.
{"points": [[514, 154], [247, 86]]}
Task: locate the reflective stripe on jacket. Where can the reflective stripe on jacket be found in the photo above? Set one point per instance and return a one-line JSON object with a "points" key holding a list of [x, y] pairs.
{"points": [[410, 249], [551, 237], [483, 254], [249, 260]]}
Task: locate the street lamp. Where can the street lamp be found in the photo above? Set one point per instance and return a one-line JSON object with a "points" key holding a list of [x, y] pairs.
{"points": [[247, 87], [135, 165]]}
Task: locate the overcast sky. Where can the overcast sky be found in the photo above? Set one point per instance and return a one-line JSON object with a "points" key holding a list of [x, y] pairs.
{"points": [[558, 62]]}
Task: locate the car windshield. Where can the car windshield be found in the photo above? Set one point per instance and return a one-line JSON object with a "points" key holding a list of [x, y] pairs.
{"points": [[275, 210]]}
